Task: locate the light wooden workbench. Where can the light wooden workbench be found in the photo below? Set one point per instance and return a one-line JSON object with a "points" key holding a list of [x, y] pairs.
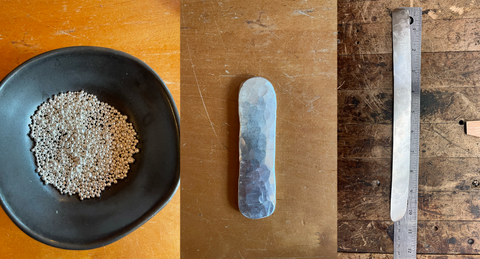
{"points": [[146, 29], [292, 44]]}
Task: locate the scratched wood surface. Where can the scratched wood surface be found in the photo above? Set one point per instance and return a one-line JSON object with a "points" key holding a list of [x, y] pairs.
{"points": [[389, 256], [149, 30], [292, 44], [449, 214]]}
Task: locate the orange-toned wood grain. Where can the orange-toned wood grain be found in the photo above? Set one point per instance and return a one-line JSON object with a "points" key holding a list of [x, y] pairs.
{"points": [[149, 30]]}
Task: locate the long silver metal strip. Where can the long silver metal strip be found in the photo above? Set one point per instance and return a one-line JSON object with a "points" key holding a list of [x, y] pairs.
{"points": [[402, 112], [405, 237]]}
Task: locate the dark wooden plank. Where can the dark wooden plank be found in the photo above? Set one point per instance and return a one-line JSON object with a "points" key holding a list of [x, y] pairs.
{"points": [[364, 236], [450, 105], [352, 1], [446, 189], [437, 36], [448, 237], [450, 69], [434, 237], [448, 206], [371, 38], [390, 256], [365, 11], [447, 140], [375, 106], [364, 189], [455, 205], [362, 72], [449, 174], [370, 106], [436, 140], [436, 175], [439, 70], [357, 141], [381, 11]]}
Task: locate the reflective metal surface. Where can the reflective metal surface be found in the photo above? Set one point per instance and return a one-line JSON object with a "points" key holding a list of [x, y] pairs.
{"points": [[402, 112], [257, 107]]}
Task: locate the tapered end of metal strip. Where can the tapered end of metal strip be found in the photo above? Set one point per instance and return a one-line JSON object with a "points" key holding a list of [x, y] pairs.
{"points": [[397, 214]]}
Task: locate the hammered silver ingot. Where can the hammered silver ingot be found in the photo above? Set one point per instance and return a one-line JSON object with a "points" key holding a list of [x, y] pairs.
{"points": [[257, 108]]}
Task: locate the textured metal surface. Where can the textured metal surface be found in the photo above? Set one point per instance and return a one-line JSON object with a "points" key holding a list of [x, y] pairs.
{"points": [[402, 111], [256, 184], [405, 235]]}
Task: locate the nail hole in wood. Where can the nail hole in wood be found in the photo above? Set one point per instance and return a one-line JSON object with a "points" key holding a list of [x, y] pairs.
{"points": [[461, 122], [475, 183], [471, 241]]}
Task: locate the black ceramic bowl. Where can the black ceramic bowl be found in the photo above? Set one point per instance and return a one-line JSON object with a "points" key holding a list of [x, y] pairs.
{"points": [[123, 82]]}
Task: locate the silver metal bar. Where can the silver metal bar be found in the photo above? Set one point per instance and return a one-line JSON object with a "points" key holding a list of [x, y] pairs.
{"points": [[405, 235], [402, 112]]}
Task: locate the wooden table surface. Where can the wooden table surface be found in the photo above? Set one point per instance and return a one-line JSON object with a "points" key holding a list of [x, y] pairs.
{"points": [[149, 30], [449, 214], [292, 44]]}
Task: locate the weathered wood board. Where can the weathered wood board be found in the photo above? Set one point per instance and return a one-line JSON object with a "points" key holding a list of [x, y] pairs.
{"points": [[449, 199], [390, 256]]}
